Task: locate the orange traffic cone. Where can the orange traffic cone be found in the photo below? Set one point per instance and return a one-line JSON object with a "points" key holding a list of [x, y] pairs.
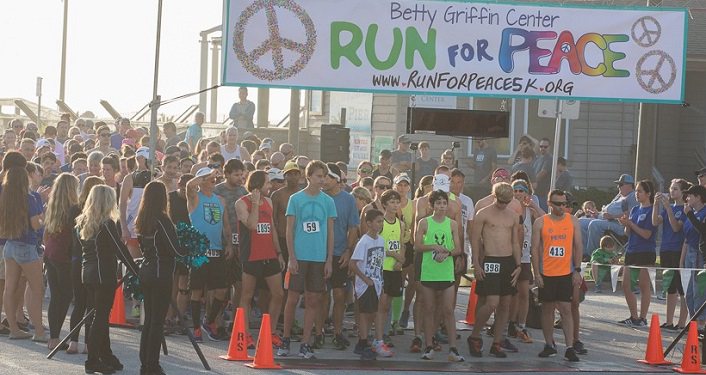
{"points": [[117, 313], [264, 359], [655, 354], [471, 309], [691, 361], [238, 347]]}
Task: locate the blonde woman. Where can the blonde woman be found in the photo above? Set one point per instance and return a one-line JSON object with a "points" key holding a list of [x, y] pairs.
{"points": [[101, 247], [60, 219]]}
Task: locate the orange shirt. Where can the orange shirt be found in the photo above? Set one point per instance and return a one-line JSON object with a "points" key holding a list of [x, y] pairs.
{"points": [[557, 246]]}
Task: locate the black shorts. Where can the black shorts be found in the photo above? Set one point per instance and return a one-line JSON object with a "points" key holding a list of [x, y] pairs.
{"points": [[211, 275], [498, 277], [464, 269], [526, 273], [262, 269], [670, 259], [557, 289], [640, 259], [339, 275], [438, 285], [408, 255], [310, 278], [392, 283], [368, 302]]}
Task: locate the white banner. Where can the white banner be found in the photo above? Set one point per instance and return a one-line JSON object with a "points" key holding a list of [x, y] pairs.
{"points": [[458, 48]]}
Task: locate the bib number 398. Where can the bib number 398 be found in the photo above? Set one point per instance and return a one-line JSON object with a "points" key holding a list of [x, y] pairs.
{"points": [[556, 251], [491, 267], [311, 227]]}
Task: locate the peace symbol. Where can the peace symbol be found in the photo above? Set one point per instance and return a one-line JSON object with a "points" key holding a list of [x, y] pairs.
{"points": [[275, 43], [652, 79], [646, 31]]}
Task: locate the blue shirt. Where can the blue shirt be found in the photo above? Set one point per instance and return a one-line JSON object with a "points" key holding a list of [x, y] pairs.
{"points": [[193, 134], [116, 141], [346, 218], [207, 218], [672, 241], [691, 235], [311, 215], [34, 207], [642, 216]]}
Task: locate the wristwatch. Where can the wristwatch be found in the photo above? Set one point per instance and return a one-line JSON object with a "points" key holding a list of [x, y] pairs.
{"points": [[577, 269]]}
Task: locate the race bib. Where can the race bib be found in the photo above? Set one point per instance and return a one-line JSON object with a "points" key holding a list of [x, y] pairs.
{"points": [[393, 245], [263, 228], [311, 226], [557, 252], [234, 239], [491, 267], [525, 245], [213, 253]]}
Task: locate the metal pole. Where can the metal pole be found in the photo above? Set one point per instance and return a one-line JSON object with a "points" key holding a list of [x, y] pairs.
{"points": [[215, 46], [203, 75], [39, 101], [154, 105], [62, 81], [557, 139]]}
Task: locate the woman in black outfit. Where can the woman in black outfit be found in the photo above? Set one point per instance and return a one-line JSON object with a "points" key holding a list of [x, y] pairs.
{"points": [[101, 245], [159, 245]]}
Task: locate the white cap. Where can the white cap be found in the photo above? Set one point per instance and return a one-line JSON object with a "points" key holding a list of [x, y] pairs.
{"points": [[143, 151], [205, 171], [43, 143], [441, 182], [266, 145], [275, 174], [402, 177]]}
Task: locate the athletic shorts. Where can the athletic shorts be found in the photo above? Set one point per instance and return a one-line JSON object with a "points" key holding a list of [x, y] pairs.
{"points": [[526, 273], [670, 259], [339, 275], [392, 283], [640, 259], [310, 278], [408, 255], [262, 269], [557, 289], [368, 302], [438, 285], [498, 277], [211, 275]]}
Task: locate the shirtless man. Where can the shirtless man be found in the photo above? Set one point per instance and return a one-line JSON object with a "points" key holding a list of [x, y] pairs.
{"points": [[170, 173], [498, 268], [280, 198]]}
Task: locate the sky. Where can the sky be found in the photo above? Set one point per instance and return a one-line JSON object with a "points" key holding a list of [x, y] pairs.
{"points": [[110, 54]]}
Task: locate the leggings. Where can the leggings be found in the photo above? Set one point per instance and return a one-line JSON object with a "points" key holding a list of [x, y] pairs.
{"points": [[59, 279], [101, 297], [157, 294], [80, 301]]}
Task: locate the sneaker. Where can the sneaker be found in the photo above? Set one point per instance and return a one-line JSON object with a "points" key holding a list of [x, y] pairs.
{"points": [[435, 343], [306, 352], [454, 356], [416, 346], [388, 341], [404, 319], [507, 346], [549, 351], [570, 355], [382, 349], [511, 330], [597, 289], [359, 349], [667, 326], [475, 346], [628, 322], [212, 332], [497, 351], [283, 349], [338, 343], [197, 335], [318, 342], [428, 353], [662, 296], [579, 348], [276, 341], [20, 335], [524, 336], [368, 354], [642, 322]]}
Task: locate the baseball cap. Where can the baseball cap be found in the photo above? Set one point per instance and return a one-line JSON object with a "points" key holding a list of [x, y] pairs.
{"points": [[501, 172], [402, 177], [403, 139], [43, 143], [700, 172], [266, 145], [334, 171], [275, 174], [290, 166], [625, 179], [205, 171], [699, 191], [441, 182], [143, 152]]}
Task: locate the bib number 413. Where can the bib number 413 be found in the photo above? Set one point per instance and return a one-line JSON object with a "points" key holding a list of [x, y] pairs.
{"points": [[556, 251]]}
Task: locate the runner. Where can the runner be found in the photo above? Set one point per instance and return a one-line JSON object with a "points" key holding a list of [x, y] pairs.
{"points": [[497, 268], [170, 173], [557, 249]]}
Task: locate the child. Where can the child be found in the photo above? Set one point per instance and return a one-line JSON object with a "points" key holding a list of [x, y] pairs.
{"points": [[366, 264], [588, 209], [604, 255]]}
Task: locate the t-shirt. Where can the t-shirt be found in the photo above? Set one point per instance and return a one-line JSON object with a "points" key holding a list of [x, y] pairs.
{"points": [[116, 141], [193, 134], [543, 162], [346, 218], [602, 256], [242, 114], [425, 167], [401, 157], [311, 224], [173, 141], [368, 255], [691, 234], [672, 241], [525, 167], [35, 207], [484, 158], [231, 196], [642, 216], [564, 181]]}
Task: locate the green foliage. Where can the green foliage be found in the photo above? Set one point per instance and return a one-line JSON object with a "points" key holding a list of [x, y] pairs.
{"points": [[600, 197]]}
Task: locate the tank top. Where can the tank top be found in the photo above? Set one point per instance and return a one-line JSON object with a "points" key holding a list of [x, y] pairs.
{"points": [[557, 246], [257, 244], [437, 234], [407, 216], [527, 240], [140, 179], [231, 155], [207, 218], [392, 236]]}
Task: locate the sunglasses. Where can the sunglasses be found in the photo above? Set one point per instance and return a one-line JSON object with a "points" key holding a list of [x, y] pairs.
{"points": [[560, 204], [383, 187], [365, 170]]}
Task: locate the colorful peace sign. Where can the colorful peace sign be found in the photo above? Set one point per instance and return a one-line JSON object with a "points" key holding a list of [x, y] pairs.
{"points": [[653, 80], [646, 31], [275, 42]]}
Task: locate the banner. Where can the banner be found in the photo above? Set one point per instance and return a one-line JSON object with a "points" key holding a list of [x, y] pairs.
{"points": [[458, 48]]}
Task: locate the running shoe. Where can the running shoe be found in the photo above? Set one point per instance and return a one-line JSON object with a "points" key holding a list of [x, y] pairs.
{"points": [[454, 356], [276, 341], [570, 355], [579, 348], [404, 319], [358, 349], [524, 336], [283, 349], [548, 351], [497, 351], [211, 331], [428, 353], [416, 346], [197, 335], [435, 343], [382, 349], [507, 346], [388, 341], [511, 330], [368, 354], [628, 322], [306, 352], [475, 346]]}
